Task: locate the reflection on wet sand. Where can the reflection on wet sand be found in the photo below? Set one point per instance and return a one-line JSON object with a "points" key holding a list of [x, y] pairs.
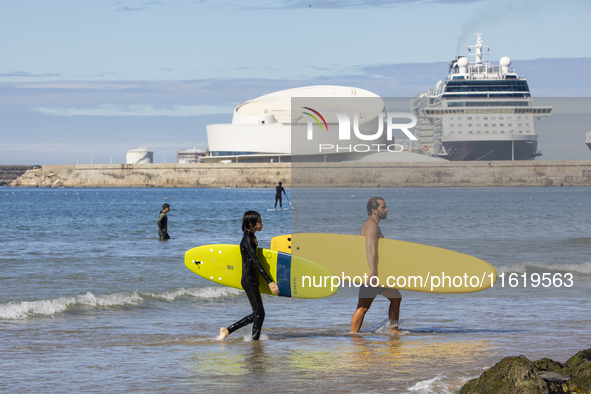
{"points": [[364, 362]]}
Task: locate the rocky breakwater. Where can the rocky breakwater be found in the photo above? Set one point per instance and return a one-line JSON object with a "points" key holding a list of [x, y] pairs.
{"points": [[518, 375], [8, 173], [157, 175]]}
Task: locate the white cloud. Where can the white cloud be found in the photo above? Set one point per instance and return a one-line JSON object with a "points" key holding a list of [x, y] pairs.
{"points": [[138, 110]]}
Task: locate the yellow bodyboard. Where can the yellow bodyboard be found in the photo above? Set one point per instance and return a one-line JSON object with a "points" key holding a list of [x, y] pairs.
{"points": [[223, 264]]}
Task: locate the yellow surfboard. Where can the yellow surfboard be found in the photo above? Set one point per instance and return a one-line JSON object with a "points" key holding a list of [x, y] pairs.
{"points": [[400, 265], [223, 264]]}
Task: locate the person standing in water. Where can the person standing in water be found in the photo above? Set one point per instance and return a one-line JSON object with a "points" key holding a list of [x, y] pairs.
{"points": [[163, 223], [377, 211], [278, 196], [251, 268]]}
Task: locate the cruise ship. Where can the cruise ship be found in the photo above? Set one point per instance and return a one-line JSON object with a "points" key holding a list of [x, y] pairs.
{"points": [[480, 112]]}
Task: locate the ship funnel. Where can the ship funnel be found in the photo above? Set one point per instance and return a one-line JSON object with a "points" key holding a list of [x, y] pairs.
{"points": [[463, 65], [505, 62]]}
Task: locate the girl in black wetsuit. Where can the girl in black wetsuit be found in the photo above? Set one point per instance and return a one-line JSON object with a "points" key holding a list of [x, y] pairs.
{"points": [[251, 267]]}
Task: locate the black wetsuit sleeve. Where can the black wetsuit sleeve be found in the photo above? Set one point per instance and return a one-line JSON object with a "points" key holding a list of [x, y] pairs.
{"points": [[251, 250], [162, 221]]}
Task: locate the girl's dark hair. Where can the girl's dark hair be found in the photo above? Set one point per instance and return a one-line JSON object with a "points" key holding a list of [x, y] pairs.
{"points": [[250, 219]]}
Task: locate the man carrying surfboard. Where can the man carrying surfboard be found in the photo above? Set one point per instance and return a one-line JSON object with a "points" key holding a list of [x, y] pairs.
{"points": [[251, 267], [377, 211]]}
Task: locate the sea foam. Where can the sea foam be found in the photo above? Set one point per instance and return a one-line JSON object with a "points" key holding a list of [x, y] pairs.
{"points": [[198, 292], [435, 385]]}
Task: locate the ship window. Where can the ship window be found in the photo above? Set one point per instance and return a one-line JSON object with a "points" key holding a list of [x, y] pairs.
{"points": [[494, 124], [451, 125], [459, 125], [451, 132], [477, 124], [479, 131], [469, 132], [485, 117], [502, 131], [469, 124], [519, 125], [519, 117], [509, 124], [486, 132], [469, 118], [494, 132], [478, 118], [500, 124], [527, 131], [527, 124], [486, 125], [520, 131]]}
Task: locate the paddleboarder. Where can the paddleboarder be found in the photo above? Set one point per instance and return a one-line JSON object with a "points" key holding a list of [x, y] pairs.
{"points": [[251, 268], [163, 223], [278, 197], [377, 211]]}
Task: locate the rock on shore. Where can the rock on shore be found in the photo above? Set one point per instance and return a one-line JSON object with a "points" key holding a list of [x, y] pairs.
{"points": [[518, 375]]}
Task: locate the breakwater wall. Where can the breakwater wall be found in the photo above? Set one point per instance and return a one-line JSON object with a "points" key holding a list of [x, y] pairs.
{"points": [[449, 174]]}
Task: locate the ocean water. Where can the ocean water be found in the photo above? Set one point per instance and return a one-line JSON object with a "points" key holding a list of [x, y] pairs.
{"points": [[92, 301]]}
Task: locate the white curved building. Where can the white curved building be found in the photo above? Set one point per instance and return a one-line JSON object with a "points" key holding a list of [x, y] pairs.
{"points": [[264, 125]]}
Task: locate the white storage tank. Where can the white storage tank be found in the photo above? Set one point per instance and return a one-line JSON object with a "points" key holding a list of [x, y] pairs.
{"points": [[190, 155], [139, 156]]}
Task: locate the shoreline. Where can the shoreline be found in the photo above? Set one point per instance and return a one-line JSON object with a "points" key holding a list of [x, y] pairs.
{"points": [[345, 174]]}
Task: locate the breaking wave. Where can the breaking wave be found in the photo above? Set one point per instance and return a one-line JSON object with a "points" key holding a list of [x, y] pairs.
{"points": [[50, 307]]}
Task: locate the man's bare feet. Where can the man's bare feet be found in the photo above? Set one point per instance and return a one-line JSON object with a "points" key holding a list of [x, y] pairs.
{"points": [[223, 334], [394, 328]]}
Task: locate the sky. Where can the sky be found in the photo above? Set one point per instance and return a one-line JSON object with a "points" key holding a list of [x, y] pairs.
{"points": [[83, 81]]}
